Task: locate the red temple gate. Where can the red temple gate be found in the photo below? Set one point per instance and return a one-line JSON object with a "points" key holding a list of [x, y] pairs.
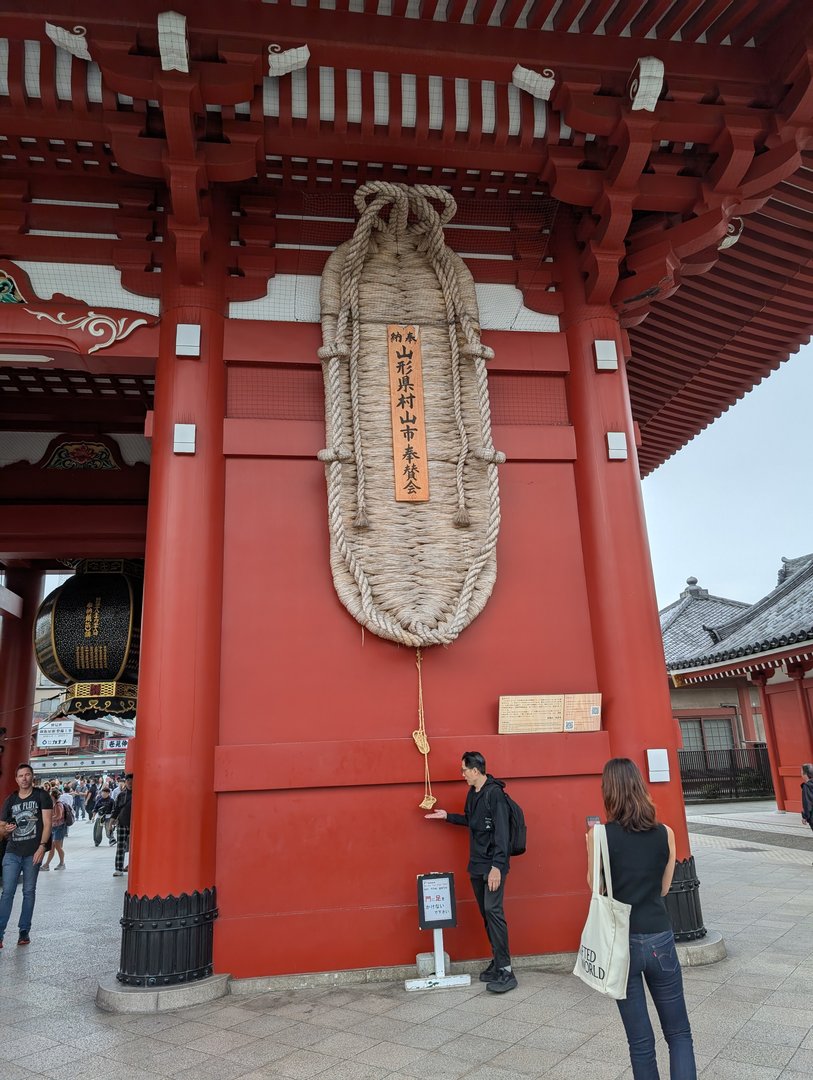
{"points": [[632, 177]]}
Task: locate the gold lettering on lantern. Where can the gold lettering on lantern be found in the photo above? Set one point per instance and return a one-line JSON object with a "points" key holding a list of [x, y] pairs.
{"points": [[408, 418], [93, 615], [91, 657]]}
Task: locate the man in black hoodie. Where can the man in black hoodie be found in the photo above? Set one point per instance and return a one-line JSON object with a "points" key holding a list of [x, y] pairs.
{"points": [[486, 817]]}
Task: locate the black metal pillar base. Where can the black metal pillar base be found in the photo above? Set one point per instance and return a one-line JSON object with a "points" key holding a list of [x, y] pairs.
{"points": [[683, 902], [167, 940]]}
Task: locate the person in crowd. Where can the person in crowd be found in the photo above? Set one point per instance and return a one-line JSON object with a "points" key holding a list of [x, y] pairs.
{"points": [[79, 791], [25, 821], [90, 798], [122, 814], [487, 819], [59, 830], [807, 794], [104, 804], [115, 787], [642, 862]]}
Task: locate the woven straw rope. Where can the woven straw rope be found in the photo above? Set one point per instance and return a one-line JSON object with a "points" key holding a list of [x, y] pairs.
{"points": [[416, 573]]}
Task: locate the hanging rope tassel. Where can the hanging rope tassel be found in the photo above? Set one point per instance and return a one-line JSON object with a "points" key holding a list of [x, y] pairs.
{"points": [[422, 742]]}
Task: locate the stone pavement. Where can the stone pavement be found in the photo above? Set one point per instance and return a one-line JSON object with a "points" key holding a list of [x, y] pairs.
{"points": [[752, 1013]]}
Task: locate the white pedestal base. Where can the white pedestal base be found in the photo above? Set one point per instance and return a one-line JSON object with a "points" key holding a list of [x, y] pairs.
{"points": [[440, 978], [437, 981]]}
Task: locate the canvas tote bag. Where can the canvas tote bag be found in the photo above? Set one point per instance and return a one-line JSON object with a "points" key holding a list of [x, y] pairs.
{"points": [[603, 962]]}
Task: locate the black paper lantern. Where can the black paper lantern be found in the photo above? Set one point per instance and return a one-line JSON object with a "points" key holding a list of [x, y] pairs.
{"points": [[86, 637]]}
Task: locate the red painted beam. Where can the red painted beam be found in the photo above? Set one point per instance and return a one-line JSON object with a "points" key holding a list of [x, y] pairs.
{"points": [[72, 532], [727, 23], [37, 121], [368, 42], [680, 12], [594, 15]]}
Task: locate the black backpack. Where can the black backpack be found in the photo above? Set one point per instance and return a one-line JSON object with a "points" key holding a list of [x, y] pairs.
{"points": [[517, 829]]}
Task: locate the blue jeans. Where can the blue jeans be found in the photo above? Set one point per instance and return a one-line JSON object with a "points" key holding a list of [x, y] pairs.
{"points": [[12, 865], [653, 957]]}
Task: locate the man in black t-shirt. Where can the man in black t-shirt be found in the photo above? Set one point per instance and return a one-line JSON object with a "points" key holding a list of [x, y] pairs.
{"points": [[25, 822]]}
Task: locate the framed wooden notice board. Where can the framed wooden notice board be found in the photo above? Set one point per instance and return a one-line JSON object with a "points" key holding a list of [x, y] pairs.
{"points": [[522, 714]]}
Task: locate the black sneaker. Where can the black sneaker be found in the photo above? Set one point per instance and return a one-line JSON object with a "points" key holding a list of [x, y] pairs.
{"points": [[502, 982], [489, 973], [23, 939]]}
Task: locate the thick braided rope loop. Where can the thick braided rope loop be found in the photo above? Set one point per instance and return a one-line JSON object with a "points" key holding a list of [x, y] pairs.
{"points": [[416, 573]]}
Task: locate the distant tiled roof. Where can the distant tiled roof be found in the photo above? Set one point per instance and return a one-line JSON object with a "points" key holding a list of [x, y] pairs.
{"points": [[783, 617], [683, 623], [790, 567]]}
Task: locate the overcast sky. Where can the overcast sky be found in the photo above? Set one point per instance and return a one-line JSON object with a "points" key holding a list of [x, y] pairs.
{"points": [[729, 505]]}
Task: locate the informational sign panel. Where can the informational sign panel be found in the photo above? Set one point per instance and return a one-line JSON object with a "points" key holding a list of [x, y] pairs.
{"points": [[437, 908], [582, 712], [116, 744], [55, 734], [408, 416], [533, 713]]}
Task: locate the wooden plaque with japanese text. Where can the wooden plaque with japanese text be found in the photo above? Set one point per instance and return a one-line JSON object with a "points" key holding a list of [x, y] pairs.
{"points": [[582, 712], [528, 713], [408, 416], [532, 713]]}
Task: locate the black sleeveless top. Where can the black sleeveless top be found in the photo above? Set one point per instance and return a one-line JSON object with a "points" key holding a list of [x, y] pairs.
{"points": [[637, 862]]}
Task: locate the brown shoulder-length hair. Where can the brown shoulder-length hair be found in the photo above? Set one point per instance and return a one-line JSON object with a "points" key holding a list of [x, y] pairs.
{"points": [[626, 798]]}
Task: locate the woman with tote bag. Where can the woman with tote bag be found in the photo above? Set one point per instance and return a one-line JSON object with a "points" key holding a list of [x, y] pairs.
{"points": [[642, 862]]}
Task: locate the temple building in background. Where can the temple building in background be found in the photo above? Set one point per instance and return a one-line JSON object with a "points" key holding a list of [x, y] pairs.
{"points": [[760, 654]]}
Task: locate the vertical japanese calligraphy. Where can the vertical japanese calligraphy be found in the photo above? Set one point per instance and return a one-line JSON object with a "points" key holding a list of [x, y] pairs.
{"points": [[408, 417]]}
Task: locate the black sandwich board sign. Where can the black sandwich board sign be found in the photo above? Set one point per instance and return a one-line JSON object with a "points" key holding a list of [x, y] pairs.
{"points": [[437, 908]]}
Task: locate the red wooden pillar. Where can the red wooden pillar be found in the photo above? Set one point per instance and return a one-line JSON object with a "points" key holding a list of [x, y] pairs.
{"points": [[797, 673], [171, 903], [760, 680], [627, 643], [18, 671], [747, 714], [623, 611]]}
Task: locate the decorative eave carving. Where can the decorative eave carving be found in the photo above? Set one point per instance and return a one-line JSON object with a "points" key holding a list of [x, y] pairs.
{"points": [[732, 234], [172, 42], [99, 325], [532, 82], [284, 61], [646, 84], [72, 41], [82, 329]]}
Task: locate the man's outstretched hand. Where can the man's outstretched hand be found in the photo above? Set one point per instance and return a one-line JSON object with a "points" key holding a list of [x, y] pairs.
{"points": [[439, 815]]}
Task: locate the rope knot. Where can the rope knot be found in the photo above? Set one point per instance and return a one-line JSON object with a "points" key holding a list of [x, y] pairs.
{"points": [[489, 455], [477, 351], [336, 453], [336, 350]]}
